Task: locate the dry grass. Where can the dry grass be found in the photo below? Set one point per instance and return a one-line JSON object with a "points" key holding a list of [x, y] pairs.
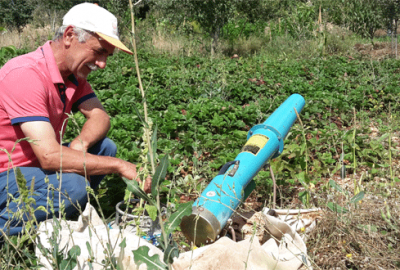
{"points": [[173, 43], [362, 238], [244, 46], [29, 38], [162, 41], [170, 44]]}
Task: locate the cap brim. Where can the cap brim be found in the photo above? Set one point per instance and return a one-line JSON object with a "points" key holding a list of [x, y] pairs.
{"points": [[115, 42]]}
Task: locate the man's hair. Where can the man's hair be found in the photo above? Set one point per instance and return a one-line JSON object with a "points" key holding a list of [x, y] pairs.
{"points": [[82, 34]]}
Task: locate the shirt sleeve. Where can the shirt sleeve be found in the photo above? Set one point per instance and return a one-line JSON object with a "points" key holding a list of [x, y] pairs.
{"points": [[84, 93], [23, 96]]}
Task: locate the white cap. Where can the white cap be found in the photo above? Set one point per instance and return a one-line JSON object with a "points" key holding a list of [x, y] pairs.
{"points": [[96, 19]]}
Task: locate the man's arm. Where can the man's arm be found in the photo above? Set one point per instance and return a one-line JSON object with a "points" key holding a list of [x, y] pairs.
{"points": [[50, 154], [96, 126]]}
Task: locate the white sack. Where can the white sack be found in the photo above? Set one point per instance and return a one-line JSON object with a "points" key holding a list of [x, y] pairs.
{"points": [[78, 233]]}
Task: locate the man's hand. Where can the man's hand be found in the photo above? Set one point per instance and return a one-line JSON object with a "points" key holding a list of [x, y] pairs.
{"points": [[147, 185], [129, 171]]}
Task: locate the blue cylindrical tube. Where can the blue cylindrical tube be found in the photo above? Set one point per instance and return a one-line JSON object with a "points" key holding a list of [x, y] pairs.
{"points": [[211, 211]]}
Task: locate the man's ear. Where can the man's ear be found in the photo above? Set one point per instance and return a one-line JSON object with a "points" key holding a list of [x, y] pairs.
{"points": [[68, 35]]}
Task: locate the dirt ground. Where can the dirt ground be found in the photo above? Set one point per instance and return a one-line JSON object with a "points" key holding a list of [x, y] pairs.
{"points": [[378, 50]]}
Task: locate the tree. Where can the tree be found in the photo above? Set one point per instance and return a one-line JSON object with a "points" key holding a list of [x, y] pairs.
{"points": [[212, 15], [363, 17], [391, 13], [52, 11], [15, 13]]}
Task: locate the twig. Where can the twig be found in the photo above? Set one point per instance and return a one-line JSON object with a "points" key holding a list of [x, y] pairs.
{"points": [[273, 179], [304, 137], [137, 3]]}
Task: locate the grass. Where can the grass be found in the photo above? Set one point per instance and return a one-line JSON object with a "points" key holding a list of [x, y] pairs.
{"points": [[334, 40], [29, 38], [362, 238]]}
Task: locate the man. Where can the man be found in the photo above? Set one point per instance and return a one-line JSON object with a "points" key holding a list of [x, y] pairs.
{"points": [[37, 90]]}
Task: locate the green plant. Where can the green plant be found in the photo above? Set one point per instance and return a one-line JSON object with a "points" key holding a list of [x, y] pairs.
{"points": [[6, 53], [300, 24], [362, 17], [386, 216], [349, 201], [16, 14], [167, 244]]}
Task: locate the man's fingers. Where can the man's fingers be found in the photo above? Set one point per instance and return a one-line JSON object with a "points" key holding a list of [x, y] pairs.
{"points": [[147, 187]]}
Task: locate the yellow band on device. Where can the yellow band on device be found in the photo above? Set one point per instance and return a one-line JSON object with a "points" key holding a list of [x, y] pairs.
{"points": [[255, 143]]}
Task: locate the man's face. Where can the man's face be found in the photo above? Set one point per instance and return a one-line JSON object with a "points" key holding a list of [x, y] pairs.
{"points": [[89, 56]]}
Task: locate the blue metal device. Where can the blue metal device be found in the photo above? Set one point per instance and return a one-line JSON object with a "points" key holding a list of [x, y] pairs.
{"points": [[234, 183]]}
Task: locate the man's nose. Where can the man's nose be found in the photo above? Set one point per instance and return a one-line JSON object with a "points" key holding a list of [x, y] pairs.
{"points": [[102, 62]]}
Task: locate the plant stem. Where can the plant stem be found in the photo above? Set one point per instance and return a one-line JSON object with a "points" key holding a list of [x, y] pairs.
{"points": [[390, 143], [304, 138], [354, 142], [146, 129], [274, 181]]}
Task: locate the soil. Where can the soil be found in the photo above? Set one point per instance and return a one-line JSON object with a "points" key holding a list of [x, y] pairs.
{"points": [[377, 51]]}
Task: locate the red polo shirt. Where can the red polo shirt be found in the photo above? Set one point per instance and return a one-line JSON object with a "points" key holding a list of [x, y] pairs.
{"points": [[32, 89]]}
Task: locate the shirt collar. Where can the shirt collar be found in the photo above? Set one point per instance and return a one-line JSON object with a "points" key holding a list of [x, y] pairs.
{"points": [[52, 67]]}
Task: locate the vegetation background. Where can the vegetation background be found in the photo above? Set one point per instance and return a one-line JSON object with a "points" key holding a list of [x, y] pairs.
{"points": [[212, 69]]}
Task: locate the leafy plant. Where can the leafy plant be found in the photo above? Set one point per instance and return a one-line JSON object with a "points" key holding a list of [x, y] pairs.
{"points": [[7, 53], [353, 200], [167, 227], [141, 255], [300, 24], [361, 16], [16, 13]]}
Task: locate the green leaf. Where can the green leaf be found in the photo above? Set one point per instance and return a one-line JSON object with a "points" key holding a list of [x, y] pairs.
{"points": [[123, 243], [139, 115], [159, 175], [171, 252], [41, 208], [152, 211], [358, 197], [141, 255], [304, 197], [367, 228], [11, 49], [133, 187], [303, 179], [71, 261], [384, 136], [154, 140], [74, 252], [337, 208], [184, 209], [333, 184], [21, 182], [89, 248]]}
